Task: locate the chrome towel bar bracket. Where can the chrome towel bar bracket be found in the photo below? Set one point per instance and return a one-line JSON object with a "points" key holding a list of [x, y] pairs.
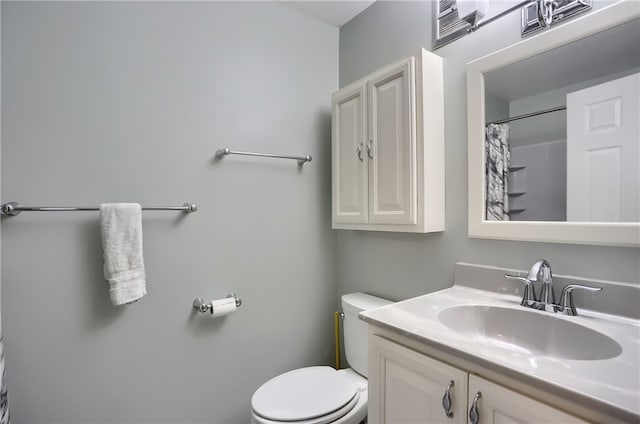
{"points": [[14, 208], [221, 153]]}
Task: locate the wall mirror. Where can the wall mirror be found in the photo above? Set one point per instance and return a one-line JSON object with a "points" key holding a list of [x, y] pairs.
{"points": [[554, 134]]}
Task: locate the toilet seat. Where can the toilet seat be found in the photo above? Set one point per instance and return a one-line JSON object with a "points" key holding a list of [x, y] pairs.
{"points": [[325, 419], [312, 395]]}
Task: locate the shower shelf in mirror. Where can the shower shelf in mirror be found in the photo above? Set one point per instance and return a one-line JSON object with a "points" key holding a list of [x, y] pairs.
{"points": [[516, 168]]}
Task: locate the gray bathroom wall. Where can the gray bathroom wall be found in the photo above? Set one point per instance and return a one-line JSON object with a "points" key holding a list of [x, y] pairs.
{"points": [[404, 265], [128, 102]]}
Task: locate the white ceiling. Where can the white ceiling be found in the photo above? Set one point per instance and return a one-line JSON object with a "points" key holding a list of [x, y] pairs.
{"points": [[332, 12]]}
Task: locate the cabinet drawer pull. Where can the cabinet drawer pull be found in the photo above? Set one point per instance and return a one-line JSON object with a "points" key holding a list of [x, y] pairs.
{"points": [[369, 149], [446, 400], [474, 417], [359, 151]]}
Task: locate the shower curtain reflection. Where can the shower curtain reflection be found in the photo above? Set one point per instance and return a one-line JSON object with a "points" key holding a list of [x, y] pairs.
{"points": [[4, 405], [497, 156]]}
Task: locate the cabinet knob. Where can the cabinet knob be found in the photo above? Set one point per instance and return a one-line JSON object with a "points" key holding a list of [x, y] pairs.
{"points": [[474, 416], [359, 151], [369, 149], [446, 400]]}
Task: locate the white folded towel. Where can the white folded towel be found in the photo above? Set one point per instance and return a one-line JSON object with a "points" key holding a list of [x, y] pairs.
{"points": [[121, 228]]}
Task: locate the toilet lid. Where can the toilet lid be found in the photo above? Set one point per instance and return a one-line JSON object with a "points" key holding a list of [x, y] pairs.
{"points": [[303, 394]]}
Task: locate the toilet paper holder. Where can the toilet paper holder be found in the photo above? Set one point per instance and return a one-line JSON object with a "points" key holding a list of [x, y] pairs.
{"points": [[203, 307]]}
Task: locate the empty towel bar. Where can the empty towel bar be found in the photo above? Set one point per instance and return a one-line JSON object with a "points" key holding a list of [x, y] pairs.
{"points": [[221, 153]]}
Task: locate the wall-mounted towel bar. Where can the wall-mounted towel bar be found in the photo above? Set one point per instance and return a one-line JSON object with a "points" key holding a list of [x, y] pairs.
{"points": [[226, 152], [14, 208]]}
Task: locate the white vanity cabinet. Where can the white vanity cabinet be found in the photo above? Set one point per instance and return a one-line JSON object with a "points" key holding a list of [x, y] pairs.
{"points": [[388, 149], [407, 387], [497, 404]]}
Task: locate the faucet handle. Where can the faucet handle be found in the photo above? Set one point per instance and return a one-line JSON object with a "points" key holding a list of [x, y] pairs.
{"points": [[566, 298], [529, 295]]}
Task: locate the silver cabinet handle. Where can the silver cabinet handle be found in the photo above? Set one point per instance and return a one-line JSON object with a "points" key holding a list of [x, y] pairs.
{"points": [[446, 400], [369, 149], [474, 417], [359, 151]]}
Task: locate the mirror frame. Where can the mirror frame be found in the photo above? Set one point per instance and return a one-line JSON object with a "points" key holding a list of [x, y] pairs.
{"points": [[598, 233]]}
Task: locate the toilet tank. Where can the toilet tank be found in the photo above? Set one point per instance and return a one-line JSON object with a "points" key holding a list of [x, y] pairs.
{"points": [[355, 330]]}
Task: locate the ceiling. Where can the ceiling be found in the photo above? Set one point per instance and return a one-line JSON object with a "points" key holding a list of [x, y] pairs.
{"points": [[333, 12]]}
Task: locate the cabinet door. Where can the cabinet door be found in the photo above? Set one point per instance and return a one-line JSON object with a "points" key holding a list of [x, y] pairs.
{"points": [[499, 405], [391, 146], [407, 387], [349, 166]]}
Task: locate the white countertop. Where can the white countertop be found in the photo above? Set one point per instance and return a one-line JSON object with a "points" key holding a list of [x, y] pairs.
{"points": [[613, 383]]}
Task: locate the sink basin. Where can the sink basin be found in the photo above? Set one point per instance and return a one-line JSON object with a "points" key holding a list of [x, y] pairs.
{"points": [[529, 332]]}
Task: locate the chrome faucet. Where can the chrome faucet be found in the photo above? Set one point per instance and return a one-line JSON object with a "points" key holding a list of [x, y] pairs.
{"points": [[542, 268], [541, 271]]}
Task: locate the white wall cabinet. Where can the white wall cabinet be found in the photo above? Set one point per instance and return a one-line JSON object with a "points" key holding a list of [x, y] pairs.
{"points": [[407, 387], [388, 149]]}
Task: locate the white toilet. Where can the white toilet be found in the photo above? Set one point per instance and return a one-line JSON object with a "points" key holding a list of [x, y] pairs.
{"points": [[320, 395]]}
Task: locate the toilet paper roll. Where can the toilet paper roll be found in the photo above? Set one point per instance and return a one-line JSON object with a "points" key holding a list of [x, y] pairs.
{"points": [[221, 307]]}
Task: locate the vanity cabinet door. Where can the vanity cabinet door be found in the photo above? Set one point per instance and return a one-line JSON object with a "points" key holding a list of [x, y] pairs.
{"points": [[349, 157], [391, 147], [497, 405], [407, 387]]}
